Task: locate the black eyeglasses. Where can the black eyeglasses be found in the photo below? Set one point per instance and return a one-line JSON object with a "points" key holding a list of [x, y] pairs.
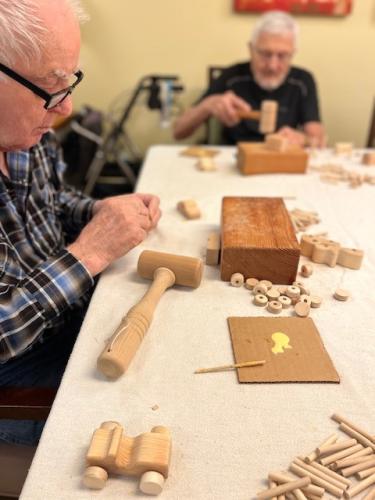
{"points": [[52, 100]]}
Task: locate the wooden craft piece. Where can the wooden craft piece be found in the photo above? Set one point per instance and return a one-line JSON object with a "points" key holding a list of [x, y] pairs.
{"points": [[316, 301], [189, 209], [285, 301], [260, 300], [206, 164], [258, 239], [199, 152], [255, 158], [343, 148], [284, 488], [293, 292], [342, 420], [369, 158], [250, 283], [326, 252], [224, 368], [111, 451], [274, 306], [213, 249], [276, 142], [329, 487], [306, 359], [313, 455], [273, 293], [237, 279], [341, 294], [302, 309], [165, 270], [302, 287], [350, 257], [307, 243], [306, 270], [266, 283], [305, 298], [259, 288], [267, 116]]}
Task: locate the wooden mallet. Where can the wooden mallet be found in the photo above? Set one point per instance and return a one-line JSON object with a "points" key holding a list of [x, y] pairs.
{"points": [[266, 116], [165, 270]]}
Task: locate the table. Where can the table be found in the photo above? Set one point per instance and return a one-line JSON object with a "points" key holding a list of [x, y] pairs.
{"points": [[226, 436]]}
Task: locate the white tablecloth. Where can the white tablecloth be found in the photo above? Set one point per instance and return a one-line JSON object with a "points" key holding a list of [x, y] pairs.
{"points": [[226, 436]]}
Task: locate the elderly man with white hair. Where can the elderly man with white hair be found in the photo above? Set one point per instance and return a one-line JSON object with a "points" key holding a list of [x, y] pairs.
{"points": [[268, 76], [53, 240]]}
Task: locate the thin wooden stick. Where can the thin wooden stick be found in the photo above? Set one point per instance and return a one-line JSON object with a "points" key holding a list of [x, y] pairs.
{"points": [[341, 420], [230, 367], [313, 455]]}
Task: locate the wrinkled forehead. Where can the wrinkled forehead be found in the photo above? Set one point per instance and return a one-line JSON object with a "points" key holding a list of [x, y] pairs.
{"points": [[280, 42]]}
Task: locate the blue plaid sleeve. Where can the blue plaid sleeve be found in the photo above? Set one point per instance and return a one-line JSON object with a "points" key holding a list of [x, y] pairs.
{"points": [[27, 309]]}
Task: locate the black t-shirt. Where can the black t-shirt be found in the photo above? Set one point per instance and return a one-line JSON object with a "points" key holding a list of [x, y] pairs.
{"points": [[297, 98]]}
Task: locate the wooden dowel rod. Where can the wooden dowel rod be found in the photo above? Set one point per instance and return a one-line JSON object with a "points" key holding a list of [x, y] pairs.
{"points": [[350, 471], [331, 473], [230, 367], [356, 458], [300, 471], [342, 420], [370, 495], [313, 455], [284, 477], [319, 473], [283, 488], [340, 454], [357, 435], [365, 473], [333, 448], [354, 490]]}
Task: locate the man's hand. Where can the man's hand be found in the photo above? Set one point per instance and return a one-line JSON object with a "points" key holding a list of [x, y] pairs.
{"points": [[225, 107], [293, 136], [119, 224]]}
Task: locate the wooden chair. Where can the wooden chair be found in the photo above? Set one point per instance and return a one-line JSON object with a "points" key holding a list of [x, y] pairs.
{"points": [[18, 403], [371, 135]]}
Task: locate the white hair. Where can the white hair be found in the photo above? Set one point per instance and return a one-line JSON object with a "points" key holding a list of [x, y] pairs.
{"points": [[22, 32], [277, 23]]}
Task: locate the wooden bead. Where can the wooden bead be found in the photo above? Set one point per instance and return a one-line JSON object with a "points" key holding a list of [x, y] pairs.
{"points": [[266, 283], [305, 298], [302, 309], [302, 288], [260, 300], [237, 279], [250, 283], [262, 289], [315, 301], [306, 270], [273, 294], [95, 477], [293, 292], [282, 289], [151, 483], [285, 301], [274, 306], [341, 294]]}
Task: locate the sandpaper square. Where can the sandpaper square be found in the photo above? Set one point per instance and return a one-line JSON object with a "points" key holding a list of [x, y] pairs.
{"points": [[292, 348]]}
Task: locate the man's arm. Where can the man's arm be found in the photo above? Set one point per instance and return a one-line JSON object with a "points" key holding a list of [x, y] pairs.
{"points": [[312, 135], [224, 107]]}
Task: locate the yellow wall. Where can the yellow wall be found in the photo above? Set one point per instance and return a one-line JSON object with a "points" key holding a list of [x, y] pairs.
{"points": [[127, 39]]}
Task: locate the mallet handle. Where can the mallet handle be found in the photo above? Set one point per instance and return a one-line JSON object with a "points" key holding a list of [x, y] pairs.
{"points": [[119, 352], [249, 115]]}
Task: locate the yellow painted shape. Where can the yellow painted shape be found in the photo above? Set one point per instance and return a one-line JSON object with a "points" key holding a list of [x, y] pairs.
{"points": [[281, 341]]}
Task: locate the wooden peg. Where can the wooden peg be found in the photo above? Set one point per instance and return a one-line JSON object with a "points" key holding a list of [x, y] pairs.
{"points": [[147, 455], [189, 209], [213, 249], [276, 142]]}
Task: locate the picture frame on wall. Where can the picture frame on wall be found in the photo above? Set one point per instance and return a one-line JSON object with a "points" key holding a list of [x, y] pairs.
{"points": [[312, 7]]}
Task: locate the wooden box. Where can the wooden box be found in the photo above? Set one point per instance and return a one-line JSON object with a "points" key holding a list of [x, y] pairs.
{"points": [[258, 240], [256, 158]]}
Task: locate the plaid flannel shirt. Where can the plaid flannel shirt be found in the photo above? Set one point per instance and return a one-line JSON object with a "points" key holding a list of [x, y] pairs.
{"points": [[41, 283]]}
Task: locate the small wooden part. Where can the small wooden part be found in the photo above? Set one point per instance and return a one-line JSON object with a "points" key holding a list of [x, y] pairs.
{"points": [[282, 289], [370, 495], [258, 239], [306, 299], [315, 301], [313, 455], [350, 471], [254, 158], [285, 301], [230, 367], [341, 294], [306, 270], [368, 158], [343, 148], [342, 420], [206, 164], [331, 473], [350, 257], [356, 458], [276, 142], [250, 283], [259, 288], [293, 292], [354, 490], [274, 307], [273, 293], [333, 448], [340, 454], [303, 472], [147, 455], [266, 283], [326, 252], [322, 474], [199, 152], [284, 477], [213, 249], [260, 300], [307, 243], [365, 473], [361, 438], [302, 287], [189, 209], [237, 280], [283, 488], [302, 309]]}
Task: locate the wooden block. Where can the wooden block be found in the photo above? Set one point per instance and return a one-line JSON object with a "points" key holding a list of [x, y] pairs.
{"points": [[276, 142], [206, 163], [369, 158], [343, 148], [350, 257], [213, 249], [258, 240], [199, 152], [189, 209], [255, 158]]}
